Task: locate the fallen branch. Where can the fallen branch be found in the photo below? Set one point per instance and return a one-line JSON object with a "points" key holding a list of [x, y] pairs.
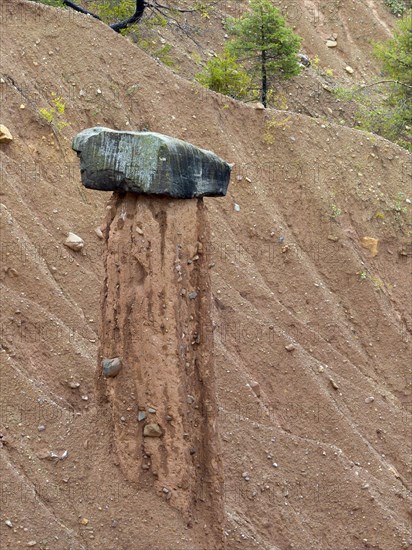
{"points": [[383, 82], [180, 10]]}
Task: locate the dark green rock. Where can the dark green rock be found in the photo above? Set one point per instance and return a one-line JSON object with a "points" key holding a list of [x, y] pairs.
{"points": [[148, 163], [111, 367]]}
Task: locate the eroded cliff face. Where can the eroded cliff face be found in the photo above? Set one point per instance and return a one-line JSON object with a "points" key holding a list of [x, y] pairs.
{"points": [[156, 317], [339, 454]]}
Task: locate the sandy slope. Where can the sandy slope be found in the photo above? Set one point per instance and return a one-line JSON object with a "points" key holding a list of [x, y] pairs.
{"points": [[289, 268]]}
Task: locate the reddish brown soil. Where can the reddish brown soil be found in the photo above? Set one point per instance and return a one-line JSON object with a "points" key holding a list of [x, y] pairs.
{"points": [[328, 466], [156, 301]]}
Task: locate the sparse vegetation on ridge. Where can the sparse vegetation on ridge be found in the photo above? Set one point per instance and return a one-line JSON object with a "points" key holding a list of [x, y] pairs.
{"points": [[385, 106]]}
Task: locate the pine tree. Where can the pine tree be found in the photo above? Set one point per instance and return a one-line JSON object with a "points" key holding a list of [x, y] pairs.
{"points": [[396, 53], [396, 57], [265, 43]]}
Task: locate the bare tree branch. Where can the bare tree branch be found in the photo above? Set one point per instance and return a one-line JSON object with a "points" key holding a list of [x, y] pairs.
{"points": [[384, 82], [175, 21], [180, 10]]}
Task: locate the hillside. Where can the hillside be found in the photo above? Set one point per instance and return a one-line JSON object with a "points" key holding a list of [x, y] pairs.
{"points": [[190, 40], [316, 438]]}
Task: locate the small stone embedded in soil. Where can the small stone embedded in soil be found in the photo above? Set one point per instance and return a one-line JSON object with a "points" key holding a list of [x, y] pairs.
{"points": [[369, 399], [151, 410], [255, 387], [8, 523], [52, 455], [32, 543], [290, 347], [99, 232], [84, 521], [370, 244], [349, 69], [111, 367], [192, 295], [74, 385], [236, 207], [74, 242], [246, 476], [11, 271], [152, 430], [41, 428], [333, 384], [5, 134]]}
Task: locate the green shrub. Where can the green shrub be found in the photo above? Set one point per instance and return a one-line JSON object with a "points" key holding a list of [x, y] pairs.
{"points": [[163, 54], [396, 7], [55, 114], [222, 74]]}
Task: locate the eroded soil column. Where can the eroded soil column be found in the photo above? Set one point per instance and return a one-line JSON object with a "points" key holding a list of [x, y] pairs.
{"points": [[156, 303]]}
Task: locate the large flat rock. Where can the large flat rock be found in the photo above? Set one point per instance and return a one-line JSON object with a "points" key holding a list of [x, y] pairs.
{"points": [[148, 163]]}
